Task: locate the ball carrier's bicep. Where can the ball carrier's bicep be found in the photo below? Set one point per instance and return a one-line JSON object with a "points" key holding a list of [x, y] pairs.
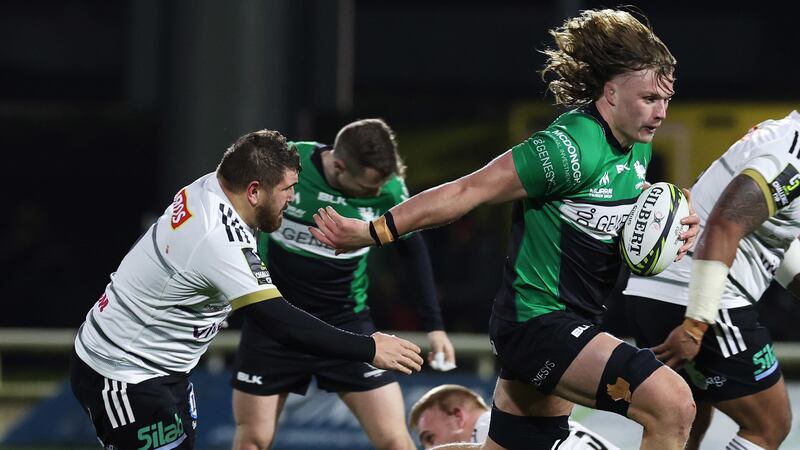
{"points": [[496, 182]]}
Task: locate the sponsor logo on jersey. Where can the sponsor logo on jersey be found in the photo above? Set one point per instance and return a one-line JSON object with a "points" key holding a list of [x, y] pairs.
{"points": [[641, 170], [786, 186], [209, 331], [102, 303], [294, 211], [257, 266], [248, 378], [296, 236], [547, 164], [579, 330], [180, 211], [160, 434], [542, 374], [330, 198], [367, 213], [604, 181], [601, 192], [574, 162], [606, 220]]}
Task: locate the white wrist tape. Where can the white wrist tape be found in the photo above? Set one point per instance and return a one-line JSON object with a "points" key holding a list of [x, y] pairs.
{"points": [[705, 289], [790, 265]]}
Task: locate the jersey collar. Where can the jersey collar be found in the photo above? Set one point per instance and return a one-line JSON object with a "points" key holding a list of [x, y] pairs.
{"points": [[591, 110], [212, 184], [316, 161]]}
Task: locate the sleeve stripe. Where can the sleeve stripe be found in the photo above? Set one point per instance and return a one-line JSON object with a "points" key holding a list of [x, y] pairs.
{"points": [[762, 183], [255, 297]]}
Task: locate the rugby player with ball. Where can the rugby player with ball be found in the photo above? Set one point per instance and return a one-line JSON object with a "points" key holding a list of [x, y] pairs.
{"points": [[573, 183]]}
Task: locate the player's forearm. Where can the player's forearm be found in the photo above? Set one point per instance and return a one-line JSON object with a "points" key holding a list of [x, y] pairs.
{"points": [[740, 209], [296, 328], [435, 207], [719, 242]]}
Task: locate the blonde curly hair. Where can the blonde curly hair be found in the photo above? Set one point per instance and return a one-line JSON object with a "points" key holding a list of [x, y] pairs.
{"points": [[596, 46]]}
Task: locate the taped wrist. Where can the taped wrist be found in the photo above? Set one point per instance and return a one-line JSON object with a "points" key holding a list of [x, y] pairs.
{"points": [[694, 329], [382, 230], [705, 289]]}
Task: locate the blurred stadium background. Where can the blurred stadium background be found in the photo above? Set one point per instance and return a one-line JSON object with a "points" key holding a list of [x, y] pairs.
{"points": [[108, 107]]}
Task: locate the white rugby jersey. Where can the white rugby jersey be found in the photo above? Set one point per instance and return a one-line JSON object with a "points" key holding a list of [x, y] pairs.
{"points": [[174, 288], [580, 437], [770, 154]]}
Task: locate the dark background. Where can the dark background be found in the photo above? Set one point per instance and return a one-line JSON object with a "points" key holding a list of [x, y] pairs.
{"points": [[108, 107]]}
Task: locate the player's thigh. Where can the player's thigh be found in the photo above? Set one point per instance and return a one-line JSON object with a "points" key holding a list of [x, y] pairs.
{"points": [[765, 413], [524, 399], [257, 412], [581, 379], [380, 411], [539, 350]]}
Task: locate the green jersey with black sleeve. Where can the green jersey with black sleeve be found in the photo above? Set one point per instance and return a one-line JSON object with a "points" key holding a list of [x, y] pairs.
{"points": [[581, 185], [330, 286]]}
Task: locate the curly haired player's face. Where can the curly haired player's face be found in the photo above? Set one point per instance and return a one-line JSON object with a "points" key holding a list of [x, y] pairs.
{"points": [[269, 212], [639, 105]]}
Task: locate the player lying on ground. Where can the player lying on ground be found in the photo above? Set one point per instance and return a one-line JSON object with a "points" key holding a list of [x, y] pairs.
{"points": [[451, 413]]}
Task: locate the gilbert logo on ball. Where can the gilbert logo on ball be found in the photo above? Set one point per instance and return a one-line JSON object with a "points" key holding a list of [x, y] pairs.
{"points": [[649, 241]]}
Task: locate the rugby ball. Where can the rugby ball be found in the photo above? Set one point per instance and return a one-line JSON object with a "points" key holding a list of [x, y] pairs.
{"points": [[649, 241]]}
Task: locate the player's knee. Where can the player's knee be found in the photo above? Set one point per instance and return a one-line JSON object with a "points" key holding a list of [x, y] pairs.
{"points": [[399, 440], [252, 438], [774, 427], [626, 369], [517, 432], [668, 405]]}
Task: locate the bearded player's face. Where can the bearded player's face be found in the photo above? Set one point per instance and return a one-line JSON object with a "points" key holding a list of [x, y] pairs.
{"points": [[269, 213]]}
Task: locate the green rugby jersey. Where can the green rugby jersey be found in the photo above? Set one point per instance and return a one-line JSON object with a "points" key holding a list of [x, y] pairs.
{"points": [[581, 186], [310, 275]]}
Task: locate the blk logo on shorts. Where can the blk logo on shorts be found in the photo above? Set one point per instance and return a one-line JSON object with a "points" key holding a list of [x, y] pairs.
{"points": [[578, 331], [247, 378]]}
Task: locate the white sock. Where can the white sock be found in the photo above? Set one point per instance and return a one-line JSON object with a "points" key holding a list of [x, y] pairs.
{"points": [[740, 443]]}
